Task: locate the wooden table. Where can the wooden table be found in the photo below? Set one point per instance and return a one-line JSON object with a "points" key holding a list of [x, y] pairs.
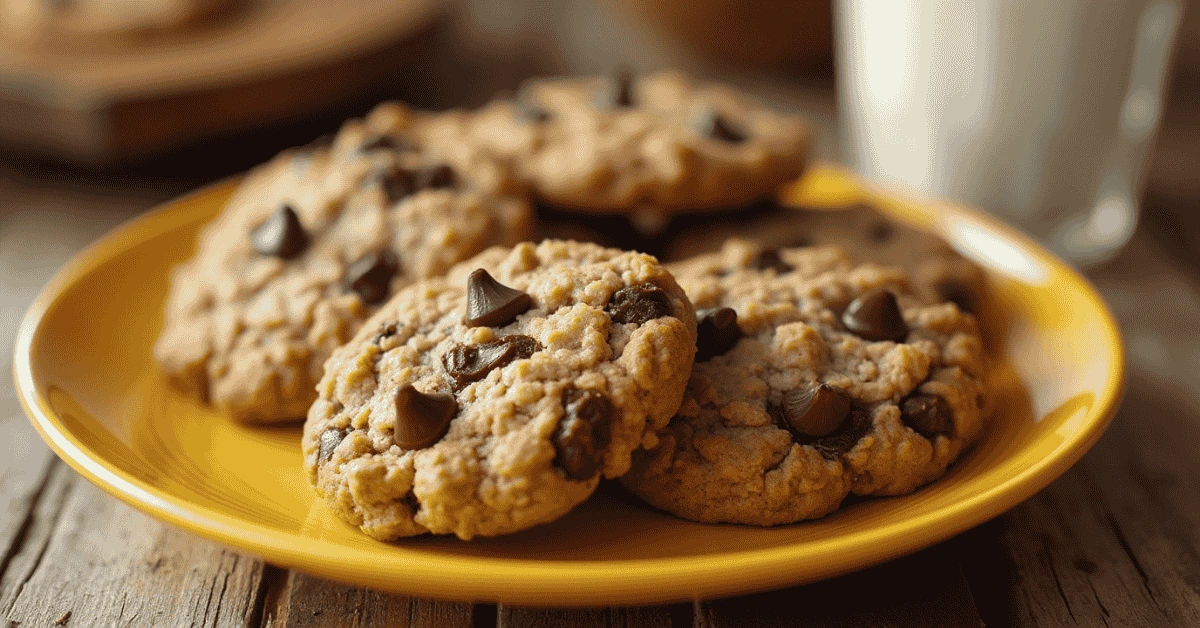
{"points": [[1115, 541]]}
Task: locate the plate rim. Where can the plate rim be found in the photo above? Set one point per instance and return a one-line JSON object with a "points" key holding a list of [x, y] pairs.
{"points": [[564, 583]]}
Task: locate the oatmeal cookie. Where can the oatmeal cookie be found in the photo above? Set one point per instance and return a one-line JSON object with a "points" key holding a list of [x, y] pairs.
{"points": [[658, 143], [495, 398], [311, 244], [938, 272], [814, 378]]}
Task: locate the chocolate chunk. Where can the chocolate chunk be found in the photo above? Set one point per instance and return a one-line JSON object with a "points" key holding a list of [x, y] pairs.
{"points": [[437, 177], [528, 111], [845, 437], [280, 235], [927, 415], [324, 140], [491, 303], [958, 293], [371, 276], [635, 305], [617, 90], [471, 363], [816, 410], [422, 419], [711, 124], [397, 183], [799, 241], [330, 439], [384, 142], [881, 232], [414, 504], [717, 332], [583, 434], [876, 316], [385, 331], [769, 258]]}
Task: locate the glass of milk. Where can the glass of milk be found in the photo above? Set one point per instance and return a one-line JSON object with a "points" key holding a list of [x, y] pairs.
{"points": [[1041, 112]]}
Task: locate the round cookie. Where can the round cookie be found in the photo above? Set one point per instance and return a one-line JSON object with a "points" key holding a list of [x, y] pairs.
{"points": [[493, 399], [29, 19], [657, 144], [831, 379], [307, 248], [938, 272]]}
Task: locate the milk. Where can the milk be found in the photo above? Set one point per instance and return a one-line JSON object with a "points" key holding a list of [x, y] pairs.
{"points": [[1039, 111]]}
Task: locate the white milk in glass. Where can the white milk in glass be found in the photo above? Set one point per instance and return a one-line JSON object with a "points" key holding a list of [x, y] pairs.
{"points": [[1040, 111]]}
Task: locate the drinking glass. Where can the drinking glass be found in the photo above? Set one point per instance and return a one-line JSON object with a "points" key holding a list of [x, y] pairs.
{"points": [[1041, 112]]}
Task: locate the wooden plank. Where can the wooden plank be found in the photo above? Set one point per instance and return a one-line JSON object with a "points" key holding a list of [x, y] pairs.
{"points": [[1115, 541], [107, 564], [26, 549], [618, 617], [925, 589], [309, 602], [24, 476]]}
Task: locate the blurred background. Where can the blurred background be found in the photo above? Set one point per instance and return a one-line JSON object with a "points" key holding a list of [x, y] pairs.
{"points": [[211, 95], [992, 105]]}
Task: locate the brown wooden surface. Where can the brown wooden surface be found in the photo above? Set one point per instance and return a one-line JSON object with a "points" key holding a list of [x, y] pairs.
{"points": [[260, 62], [1115, 541]]}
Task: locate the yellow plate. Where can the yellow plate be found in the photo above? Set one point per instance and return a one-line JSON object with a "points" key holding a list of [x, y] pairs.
{"points": [[87, 380]]}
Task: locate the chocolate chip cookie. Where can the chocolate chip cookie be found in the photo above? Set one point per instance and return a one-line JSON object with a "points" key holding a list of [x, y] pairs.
{"points": [[814, 378], [658, 143], [937, 271], [495, 398], [311, 244]]}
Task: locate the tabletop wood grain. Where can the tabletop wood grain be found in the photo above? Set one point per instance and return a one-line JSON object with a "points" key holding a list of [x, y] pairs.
{"points": [[1115, 541]]}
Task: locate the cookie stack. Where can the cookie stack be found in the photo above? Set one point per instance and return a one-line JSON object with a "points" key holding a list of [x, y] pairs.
{"points": [[458, 378]]}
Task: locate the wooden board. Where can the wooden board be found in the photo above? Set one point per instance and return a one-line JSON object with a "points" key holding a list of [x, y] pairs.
{"points": [[263, 61]]}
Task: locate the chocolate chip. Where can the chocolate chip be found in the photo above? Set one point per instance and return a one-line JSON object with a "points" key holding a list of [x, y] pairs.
{"points": [[617, 90], [437, 177], [397, 183], [330, 439], [528, 111], [881, 232], [385, 331], [927, 415], [491, 303], [958, 293], [815, 410], [280, 235], [769, 258], [711, 124], [414, 504], [876, 316], [799, 241], [583, 434], [471, 363], [716, 333], [635, 305], [324, 140], [845, 437], [371, 276], [422, 419], [384, 142]]}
